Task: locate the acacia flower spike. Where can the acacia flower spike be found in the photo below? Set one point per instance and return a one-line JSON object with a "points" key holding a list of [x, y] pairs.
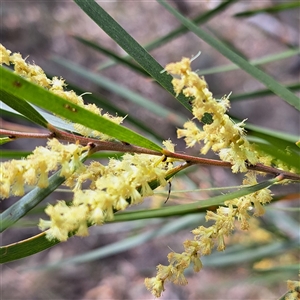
{"points": [[35, 74], [206, 238]]}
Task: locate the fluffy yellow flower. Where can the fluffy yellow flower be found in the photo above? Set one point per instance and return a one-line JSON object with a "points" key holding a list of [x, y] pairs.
{"points": [[56, 85], [34, 170], [64, 220], [223, 136], [111, 188]]}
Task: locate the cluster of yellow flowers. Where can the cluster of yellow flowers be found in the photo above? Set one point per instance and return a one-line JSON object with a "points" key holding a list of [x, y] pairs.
{"points": [[226, 138], [205, 238], [34, 170], [56, 85], [222, 135], [112, 187]]}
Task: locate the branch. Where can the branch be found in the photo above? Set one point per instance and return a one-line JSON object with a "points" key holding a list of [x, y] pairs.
{"points": [[97, 145], [212, 162]]}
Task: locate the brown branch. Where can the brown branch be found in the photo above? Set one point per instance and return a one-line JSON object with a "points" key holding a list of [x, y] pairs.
{"points": [[97, 145], [219, 163], [18, 134]]}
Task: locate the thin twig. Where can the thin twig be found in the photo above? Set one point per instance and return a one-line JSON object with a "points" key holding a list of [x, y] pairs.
{"points": [[97, 145], [212, 162], [18, 134]]}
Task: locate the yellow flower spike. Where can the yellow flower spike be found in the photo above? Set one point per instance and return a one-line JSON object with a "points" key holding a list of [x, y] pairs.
{"points": [[223, 136], [35, 74]]}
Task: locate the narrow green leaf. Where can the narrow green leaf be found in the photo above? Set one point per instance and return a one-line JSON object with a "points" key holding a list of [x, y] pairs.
{"points": [[113, 109], [270, 9], [29, 201], [201, 19], [51, 119], [130, 45], [254, 62], [20, 106], [287, 139], [112, 55], [66, 109], [264, 78], [196, 207], [279, 145], [40, 243], [260, 93], [25, 248], [159, 110], [8, 154], [4, 140], [291, 159]]}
